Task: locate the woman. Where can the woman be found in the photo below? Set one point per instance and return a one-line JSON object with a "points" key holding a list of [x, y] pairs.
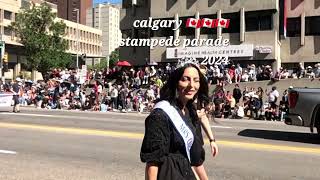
{"points": [[168, 153]]}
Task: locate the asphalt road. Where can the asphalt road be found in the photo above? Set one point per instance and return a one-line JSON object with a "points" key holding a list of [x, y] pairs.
{"points": [[63, 145]]}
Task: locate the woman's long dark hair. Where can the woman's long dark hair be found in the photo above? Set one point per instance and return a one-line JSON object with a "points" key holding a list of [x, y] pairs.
{"points": [[169, 91]]}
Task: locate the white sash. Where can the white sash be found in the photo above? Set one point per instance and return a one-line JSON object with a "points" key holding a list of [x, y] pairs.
{"points": [[179, 124]]}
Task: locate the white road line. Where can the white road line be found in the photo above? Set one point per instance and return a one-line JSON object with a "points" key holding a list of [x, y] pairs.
{"points": [[222, 127], [7, 152], [24, 114], [104, 119]]}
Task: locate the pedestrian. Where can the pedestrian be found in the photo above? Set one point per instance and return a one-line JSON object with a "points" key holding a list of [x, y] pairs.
{"points": [[114, 97], [172, 143], [237, 93], [273, 96], [16, 91]]}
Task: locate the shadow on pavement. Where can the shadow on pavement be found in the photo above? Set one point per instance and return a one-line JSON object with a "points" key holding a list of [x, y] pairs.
{"points": [[282, 136]]}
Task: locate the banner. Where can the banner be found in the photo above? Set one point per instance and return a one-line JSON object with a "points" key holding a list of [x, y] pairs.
{"points": [[5, 100]]}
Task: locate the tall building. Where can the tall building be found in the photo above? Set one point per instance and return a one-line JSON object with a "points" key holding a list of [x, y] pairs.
{"points": [[302, 43], [66, 9], [256, 26], [106, 17]]}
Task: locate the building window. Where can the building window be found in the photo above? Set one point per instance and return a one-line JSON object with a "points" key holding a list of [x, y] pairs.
{"points": [[163, 32], [7, 15], [313, 26], [265, 22], [294, 27], [7, 31], [186, 31], [234, 25], [258, 20]]}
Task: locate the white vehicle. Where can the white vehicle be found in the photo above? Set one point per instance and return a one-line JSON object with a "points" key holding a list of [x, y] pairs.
{"points": [[6, 99]]}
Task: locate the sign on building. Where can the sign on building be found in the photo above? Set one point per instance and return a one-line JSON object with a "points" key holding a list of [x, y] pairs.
{"points": [[264, 49], [245, 50]]}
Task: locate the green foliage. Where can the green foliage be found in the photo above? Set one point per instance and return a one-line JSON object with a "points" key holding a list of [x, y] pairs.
{"points": [[100, 66], [42, 38], [114, 58]]}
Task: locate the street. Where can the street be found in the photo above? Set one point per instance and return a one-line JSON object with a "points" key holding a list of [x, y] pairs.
{"points": [[71, 145]]}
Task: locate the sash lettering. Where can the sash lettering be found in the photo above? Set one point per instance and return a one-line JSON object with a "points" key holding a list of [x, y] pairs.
{"points": [[179, 124]]}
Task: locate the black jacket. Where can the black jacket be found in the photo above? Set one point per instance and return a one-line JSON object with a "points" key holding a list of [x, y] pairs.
{"points": [[237, 93]]}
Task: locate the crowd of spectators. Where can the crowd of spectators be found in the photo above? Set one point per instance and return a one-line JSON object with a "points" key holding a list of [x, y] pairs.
{"points": [[134, 89], [249, 102], [237, 73], [111, 90]]}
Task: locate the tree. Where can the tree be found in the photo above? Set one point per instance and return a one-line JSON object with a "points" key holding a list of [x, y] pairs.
{"points": [[114, 58], [42, 37], [99, 66]]}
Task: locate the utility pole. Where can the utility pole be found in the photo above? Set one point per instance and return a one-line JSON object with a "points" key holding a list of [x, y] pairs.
{"points": [[2, 50], [78, 19]]}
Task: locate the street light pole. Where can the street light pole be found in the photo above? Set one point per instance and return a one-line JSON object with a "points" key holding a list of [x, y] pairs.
{"points": [[77, 10], [1, 61]]}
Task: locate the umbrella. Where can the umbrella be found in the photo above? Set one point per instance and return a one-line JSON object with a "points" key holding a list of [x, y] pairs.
{"points": [[123, 63]]}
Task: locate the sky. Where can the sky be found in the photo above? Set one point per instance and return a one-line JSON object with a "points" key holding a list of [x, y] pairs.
{"points": [[111, 1]]}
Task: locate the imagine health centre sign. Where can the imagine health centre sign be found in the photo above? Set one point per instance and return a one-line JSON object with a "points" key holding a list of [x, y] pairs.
{"points": [[245, 50]]}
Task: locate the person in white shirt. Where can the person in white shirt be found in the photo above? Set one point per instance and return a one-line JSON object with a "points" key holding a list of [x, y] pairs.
{"points": [[252, 73], [65, 75], [216, 71], [114, 97], [153, 71], [238, 111], [245, 76], [273, 96], [238, 73]]}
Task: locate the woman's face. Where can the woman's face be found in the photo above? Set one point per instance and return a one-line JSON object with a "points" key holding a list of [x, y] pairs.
{"points": [[189, 84]]}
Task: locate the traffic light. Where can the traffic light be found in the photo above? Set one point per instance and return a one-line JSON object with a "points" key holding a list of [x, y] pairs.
{"points": [[5, 62]]}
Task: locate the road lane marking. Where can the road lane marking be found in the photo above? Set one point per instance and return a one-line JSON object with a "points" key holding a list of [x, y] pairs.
{"points": [[106, 119], [7, 152], [81, 131], [269, 147], [222, 127]]}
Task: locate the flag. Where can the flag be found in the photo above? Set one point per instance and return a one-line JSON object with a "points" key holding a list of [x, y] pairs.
{"points": [[194, 23], [208, 23], [224, 23]]}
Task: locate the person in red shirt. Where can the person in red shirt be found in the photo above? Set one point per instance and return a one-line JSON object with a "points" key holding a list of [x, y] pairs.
{"points": [[232, 73]]}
